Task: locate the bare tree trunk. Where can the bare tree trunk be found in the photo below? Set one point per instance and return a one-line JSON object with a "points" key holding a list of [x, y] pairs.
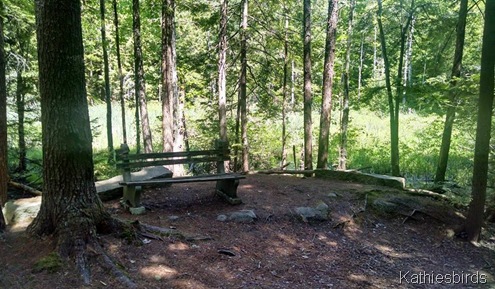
{"points": [[243, 90], [4, 174], [451, 110], [119, 67], [474, 219], [394, 101], [167, 78], [361, 60], [328, 72], [407, 77], [308, 97], [345, 100], [285, 90], [222, 72], [20, 103], [139, 84], [108, 99]]}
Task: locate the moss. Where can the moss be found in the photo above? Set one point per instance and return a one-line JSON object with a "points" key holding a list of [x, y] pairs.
{"points": [[50, 263]]}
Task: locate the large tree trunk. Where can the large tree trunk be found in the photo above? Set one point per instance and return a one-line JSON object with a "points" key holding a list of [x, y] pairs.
{"points": [[308, 97], [345, 100], [119, 67], [476, 210], [328, 72], [243, 90], [167, 78], [108, 98], [70, 206], [451, 110], [139, 84], [4, 176]]}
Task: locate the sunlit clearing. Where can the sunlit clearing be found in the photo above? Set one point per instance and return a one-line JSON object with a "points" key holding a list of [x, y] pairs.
{"points": [[178, 247], [159, 272]]}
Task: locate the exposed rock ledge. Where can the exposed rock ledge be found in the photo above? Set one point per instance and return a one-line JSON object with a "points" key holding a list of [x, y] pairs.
{"points": [[358, 177]]}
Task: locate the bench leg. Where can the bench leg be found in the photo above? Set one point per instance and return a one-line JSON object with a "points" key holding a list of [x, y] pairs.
{"points": [[131, 196], [227, 189]]}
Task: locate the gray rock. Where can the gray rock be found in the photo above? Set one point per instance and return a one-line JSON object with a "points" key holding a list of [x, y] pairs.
{"points": [[319, 213], [137, 210], [332, 195], [173, 218], [22, 211], [243, 216], [222, 218]]}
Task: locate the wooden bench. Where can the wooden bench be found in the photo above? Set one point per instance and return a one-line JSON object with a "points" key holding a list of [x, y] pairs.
{"points": [[226, 185]]}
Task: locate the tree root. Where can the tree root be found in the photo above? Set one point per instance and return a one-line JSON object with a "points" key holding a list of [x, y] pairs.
{"points": [[108, 264]]}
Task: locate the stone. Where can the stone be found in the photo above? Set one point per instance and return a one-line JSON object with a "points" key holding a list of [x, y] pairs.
{"points": [[173, 218], [222, 218], [137, 210], [332, 195], [21, 212], [318, 213], [243, 216]]}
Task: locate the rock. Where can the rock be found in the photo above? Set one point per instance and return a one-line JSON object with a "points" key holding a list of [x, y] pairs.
{"points": [[332, 195], [243, 216], [137, 210], [222, 218], [110, 189], [173, 218], [319, 213], [355, 176], [21, 212]]}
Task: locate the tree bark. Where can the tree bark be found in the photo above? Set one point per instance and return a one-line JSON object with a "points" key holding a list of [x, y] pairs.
{"points": [[308, 97], [70, 206], [452, 102], [20, 103], [285, 90], [4, 176], [345, 100], [394, 100], [167, 78], [108, 99], [328, 72], [139, 83], [222, 72], [119, 67], [474, 219], [243, 90]]}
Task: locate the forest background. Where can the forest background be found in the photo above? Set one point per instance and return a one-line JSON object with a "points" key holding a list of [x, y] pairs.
{"points": [[274, 80]]}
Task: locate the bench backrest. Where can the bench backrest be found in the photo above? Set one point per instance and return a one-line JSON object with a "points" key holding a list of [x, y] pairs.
{"points": [[126, 161]]}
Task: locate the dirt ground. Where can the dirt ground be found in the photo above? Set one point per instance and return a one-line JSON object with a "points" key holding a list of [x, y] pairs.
{"points": [[356, 248]]}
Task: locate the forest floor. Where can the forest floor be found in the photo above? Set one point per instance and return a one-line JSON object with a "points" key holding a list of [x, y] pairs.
{"points": [[356, 248]]}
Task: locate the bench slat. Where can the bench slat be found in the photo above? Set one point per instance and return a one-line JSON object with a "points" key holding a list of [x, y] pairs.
{"points": [[206, 178], [140, 164]]}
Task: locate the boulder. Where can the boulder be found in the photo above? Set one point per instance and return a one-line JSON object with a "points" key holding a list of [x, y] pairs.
{"points": [[318, 213]]}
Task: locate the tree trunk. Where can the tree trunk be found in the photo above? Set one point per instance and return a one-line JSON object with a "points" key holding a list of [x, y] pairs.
{"points": [[139, 83], [285, 90], [222, 72], [70, 207], [167, 78], [4, 175], [451, 110], [242, 89], [108, 99], [20, 103], [119, 66], [308, 98], [360, 69], [476, 210], [394, 101], [328, 72], [345, 100]]}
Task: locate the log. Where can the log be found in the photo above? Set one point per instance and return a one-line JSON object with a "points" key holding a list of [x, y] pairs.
{"points": [[25, 188], [290, 172]]}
